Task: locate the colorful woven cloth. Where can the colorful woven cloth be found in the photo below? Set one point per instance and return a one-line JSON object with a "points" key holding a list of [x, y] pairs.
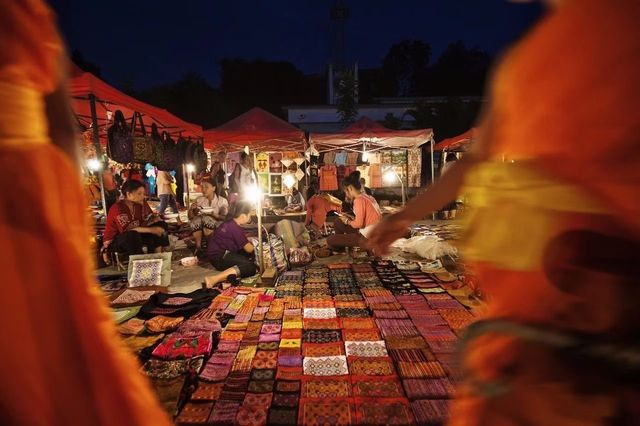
{"points": [[326, 366], [178, 347], [337, 412]]}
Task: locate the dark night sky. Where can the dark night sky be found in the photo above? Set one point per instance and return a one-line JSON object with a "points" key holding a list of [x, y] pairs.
{"points": [[148, 42]]}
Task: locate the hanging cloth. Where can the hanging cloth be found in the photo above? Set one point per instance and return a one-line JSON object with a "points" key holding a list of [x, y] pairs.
{"points": [[328, 178]]}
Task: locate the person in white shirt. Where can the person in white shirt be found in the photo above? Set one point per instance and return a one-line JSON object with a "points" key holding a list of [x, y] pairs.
{"points": [[207, 212]]}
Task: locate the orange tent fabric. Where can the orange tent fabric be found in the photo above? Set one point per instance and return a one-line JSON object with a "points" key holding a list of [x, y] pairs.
{"points": [[259, 130], [63, 362], [82, 84], [367, 130], [456, 142]]}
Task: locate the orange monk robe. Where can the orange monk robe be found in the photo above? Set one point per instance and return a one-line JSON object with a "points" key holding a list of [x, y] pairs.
{"points": [[564, 108], [62, 361]]}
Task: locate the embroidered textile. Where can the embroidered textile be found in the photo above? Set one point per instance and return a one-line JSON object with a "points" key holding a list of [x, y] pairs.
{"points": [[333, 387], [428, 388], [377, 388], [319, 313], [251, 415], [161, 324], [322, 413], [418, 370], [323, 349], [430, 411], [194, 412], [361, 335], [138, 343], [132, 297], [207, 391], [133, 326], [326, 366], [381, 412], [159, 369], [371, 366], [146, 273], [366, 349], [178, 347]]}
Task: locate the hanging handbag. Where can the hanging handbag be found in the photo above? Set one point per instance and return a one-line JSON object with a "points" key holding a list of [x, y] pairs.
{"points": [[274, 254], [169, 159], [158, 148], [119, 140], [200, 158], [143, 149]]}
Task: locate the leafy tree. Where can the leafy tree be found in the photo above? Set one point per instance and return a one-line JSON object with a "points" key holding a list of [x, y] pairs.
{"points": [[404, 65], [391, 121], [459, 71], [347, 96]]}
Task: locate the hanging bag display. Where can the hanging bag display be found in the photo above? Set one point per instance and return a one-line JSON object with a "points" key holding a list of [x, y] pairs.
{"points": [[158, 148], [200, 158], [143, 151], [119, 140], [170, 153]]}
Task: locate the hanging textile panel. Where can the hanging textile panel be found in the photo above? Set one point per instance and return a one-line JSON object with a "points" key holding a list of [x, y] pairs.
{"points": [[328, 178], [414, 165], [275, 162], [262, 162]]}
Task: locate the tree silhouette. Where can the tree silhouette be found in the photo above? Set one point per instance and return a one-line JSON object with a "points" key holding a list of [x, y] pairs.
{"points": [[404, 65]]}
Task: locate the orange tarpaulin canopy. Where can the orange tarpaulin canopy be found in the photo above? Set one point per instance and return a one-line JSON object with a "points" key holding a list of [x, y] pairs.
{"points": [[257, 129], [108, 99], [375, 134], [456, 142]]}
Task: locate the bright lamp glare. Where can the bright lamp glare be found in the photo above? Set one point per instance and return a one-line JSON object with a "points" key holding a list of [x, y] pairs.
{"points": [[94, 165], [389, 176], [289, 181], [253, 194], [365, 156], [191, 168]]}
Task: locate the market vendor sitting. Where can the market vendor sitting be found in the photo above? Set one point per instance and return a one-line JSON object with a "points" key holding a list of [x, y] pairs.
{"points": [[207, 212], [131, 225], [318, 206], [295, 201], [353, 232], [229, 249]]}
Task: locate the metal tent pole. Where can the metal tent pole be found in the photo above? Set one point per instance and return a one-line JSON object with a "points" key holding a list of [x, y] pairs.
{"points": [[96, 142], [433, 175]]}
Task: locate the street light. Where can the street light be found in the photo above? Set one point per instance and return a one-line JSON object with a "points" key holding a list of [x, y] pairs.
{"points": [[390, 176]]}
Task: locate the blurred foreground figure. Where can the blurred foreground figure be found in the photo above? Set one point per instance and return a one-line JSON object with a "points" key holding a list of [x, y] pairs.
{"points": [[555, 231], [62, 362]]}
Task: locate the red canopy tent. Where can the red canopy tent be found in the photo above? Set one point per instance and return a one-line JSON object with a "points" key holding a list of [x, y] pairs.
{"points": [[257, 129], [84, 86], [375, 135], [457, 142]]}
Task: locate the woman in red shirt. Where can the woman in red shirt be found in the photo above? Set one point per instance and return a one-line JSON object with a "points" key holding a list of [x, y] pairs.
{"points": [[354, 232], [131, 224]]}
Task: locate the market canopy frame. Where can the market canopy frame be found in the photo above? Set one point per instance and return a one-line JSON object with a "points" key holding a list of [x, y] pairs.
{"points": [[366, 134], [257, 129], [85, 89]]}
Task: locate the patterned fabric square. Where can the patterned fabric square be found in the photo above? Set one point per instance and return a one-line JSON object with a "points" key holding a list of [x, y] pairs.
{"points": [[260, 386], [160, 324], [265, 360], [377, 388], [353, 305], [358, 323], [289, 351], [283, 416], [286, 400], [321, 336], [290, 343], [252, 415], [352, 313], [287, 386], [194, 412], [323, 349], [246, 353], [265, 338], [268, 346], [133, 326], [321, 324], [314, 413], [371, 366], [290, 360], [361, 335], [271, 328], [269, 374], [420, 370], [333, 387], [325, 366], [224, 412], [207, 391], [366, 349], [232, 335], [289, 373], [411, 355], [177, 347], [146, 273], [319, 313], [434, 411], [292, 324], [292, 333], [131, 297], [428, 388], [259, 399], [381, 412], [138, 343]]}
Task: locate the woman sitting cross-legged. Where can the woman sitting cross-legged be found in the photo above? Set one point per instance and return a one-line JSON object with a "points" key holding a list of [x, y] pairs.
{"points": [[131, 225], [207, 212], [229, 249], [354, 232]]}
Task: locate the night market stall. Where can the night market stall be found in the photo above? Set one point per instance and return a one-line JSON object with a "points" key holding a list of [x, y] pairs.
{"points": [[374, 150]]}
